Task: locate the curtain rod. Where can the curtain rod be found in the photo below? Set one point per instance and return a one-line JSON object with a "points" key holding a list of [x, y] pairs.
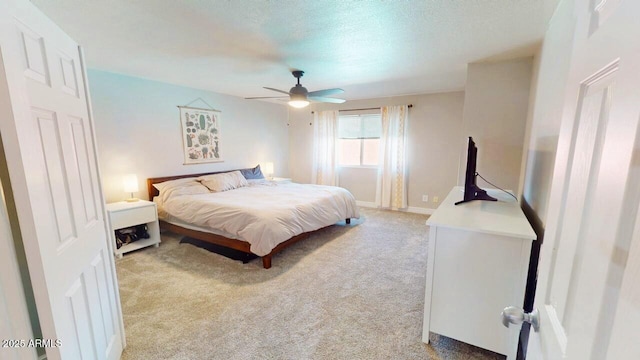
{"points": [[375, 108]]}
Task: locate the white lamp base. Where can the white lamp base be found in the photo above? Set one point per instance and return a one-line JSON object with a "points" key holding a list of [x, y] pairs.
{"points": [[132, 200]]}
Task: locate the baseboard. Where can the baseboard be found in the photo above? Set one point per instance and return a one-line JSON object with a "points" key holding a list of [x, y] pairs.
{"points": [[420, 210], [411, 209], [366, 204]]}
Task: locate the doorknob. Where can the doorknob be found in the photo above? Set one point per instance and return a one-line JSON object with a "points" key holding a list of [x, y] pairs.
{"points": [[516, 316]]}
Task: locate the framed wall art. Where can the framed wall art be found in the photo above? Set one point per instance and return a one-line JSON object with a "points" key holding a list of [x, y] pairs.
{"points": [[200, 135]]}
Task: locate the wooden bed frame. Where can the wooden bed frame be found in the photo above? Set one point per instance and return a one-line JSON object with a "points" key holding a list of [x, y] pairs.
{"points": [[235, 244]]}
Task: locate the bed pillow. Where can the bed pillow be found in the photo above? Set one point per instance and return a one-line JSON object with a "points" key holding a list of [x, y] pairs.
{"points": [[173, 183], [224, 181], [254, 173], [186, 188], [194, 188]]}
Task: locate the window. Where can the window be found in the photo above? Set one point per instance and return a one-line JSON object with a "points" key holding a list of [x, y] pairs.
{"points": [[359, 140]]}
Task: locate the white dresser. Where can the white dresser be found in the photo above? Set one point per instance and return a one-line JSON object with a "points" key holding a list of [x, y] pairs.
{"points": [[477, 265]]}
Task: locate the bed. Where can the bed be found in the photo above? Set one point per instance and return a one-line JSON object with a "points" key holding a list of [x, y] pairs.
{"points": [[262, 217]]}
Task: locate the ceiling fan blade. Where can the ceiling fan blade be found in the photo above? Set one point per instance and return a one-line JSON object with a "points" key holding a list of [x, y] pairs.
{"points": [[280, 91], [326, 99], [264, 97], [325, 92]]}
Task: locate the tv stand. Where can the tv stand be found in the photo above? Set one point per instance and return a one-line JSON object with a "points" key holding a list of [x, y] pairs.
{"points": [[477, 264], [477, 194]]}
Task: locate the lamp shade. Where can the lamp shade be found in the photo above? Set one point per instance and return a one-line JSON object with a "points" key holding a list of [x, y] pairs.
{"points": [[268, 169], [130, 183]]}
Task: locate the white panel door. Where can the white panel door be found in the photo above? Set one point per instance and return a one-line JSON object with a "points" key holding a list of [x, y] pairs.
{"points": [[588, 293], [49, 137]]}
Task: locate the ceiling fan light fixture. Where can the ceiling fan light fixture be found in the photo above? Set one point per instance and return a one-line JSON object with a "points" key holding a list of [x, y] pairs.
{"points": [[299, 104], [298, 101], [299, 96]]}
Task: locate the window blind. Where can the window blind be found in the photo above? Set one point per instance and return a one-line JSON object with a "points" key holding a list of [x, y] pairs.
{"points": [[359, 126]]}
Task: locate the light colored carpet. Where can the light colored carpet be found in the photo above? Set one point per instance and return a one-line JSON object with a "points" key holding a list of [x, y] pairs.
{"points": [[347, 292]]}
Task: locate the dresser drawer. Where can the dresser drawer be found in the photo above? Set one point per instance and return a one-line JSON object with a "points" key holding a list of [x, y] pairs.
{"points": [[130, 217]]}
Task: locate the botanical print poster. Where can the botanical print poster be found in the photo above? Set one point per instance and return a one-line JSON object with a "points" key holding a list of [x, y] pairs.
{"points": [[200, 134]]}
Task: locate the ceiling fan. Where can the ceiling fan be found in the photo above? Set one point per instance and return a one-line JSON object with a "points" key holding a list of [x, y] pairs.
{"points": [[299, 96]]}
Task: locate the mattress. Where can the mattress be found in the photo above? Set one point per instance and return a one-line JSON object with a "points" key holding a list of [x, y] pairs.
{"points": [[264, 214]]}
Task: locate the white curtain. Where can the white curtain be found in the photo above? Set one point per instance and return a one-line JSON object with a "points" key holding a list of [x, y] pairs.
{"points": [[325, 161], [392, 168]]}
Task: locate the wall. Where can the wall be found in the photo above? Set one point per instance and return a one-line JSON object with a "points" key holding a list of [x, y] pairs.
{"points": [[495, 115], [551, 70], [138, 131], [18, 309], [435, 125], [547, 108]]}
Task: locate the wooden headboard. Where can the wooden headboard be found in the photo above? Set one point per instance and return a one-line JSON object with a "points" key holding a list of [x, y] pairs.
{"points": [[154, 192]]}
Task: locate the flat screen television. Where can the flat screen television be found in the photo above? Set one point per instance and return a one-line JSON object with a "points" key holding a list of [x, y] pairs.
{"points": [[471, 190]]}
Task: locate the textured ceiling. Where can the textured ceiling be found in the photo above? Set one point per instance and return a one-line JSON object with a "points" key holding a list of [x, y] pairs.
{"points": [[368, 48]]}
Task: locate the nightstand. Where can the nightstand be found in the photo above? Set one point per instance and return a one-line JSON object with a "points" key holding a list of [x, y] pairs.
{"points": [[125, 214]]}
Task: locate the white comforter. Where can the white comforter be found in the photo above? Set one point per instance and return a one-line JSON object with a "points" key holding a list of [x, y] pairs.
{"points": [[264, 214]]}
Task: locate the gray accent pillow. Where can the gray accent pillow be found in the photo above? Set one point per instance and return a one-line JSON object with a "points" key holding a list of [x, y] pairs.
{"points": [[254, 173]]}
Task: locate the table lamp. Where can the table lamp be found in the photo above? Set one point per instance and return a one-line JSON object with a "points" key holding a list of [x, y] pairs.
{"points": [[130, 183], [268, 170]]}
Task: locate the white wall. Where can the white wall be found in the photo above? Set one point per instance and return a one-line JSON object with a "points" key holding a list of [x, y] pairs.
{"points": [[138, 131], [544, 128], [551, 70], [18, 312], [493, 109], [435, 125], [495, 115], [301, 144]]}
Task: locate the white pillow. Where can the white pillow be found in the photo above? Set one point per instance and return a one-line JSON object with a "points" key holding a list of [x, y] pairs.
{"points": [[240, 180], [223, 182], [188, 188], [194, 188], [173, 183]]}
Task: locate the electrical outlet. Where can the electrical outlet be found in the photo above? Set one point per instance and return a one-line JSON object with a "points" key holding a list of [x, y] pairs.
{"points": [[425, 198], [436, 199]]}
